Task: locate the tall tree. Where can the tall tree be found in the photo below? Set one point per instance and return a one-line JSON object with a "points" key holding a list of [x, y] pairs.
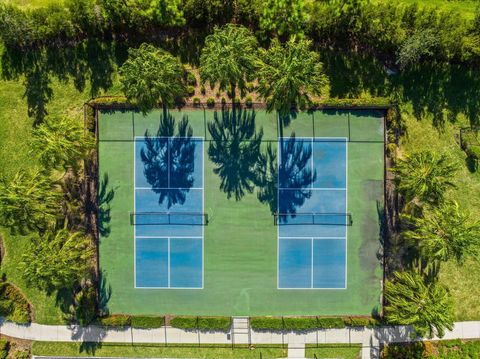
{"points": [[289, 75], [29, 202], [426, 306], [445, 232], [61, 142], [229, 58], [57, 259], [284, 17], [151, 76], [425, 176]]}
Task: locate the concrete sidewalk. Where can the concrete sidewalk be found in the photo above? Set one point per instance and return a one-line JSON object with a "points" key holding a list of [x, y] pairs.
{"points": [[371, 339]]}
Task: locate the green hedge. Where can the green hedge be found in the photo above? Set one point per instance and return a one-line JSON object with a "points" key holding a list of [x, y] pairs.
{"points": [[4, 346], [360, 322], [116, 320], [202, 323], [382, 102], [13, 304], [309, 323], [267, 323], [147, 322]]}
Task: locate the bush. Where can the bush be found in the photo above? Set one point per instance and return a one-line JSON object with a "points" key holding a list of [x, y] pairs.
{"points": [[196, 102], [249, 102], [202, 90], [300, 323], [191, 79], [237, 101], [330, 323], [188, 323], [217, 94], [221, 324], [147, 322], [4, 347], [190, 91], [21, 354], [116, 320], [359, 322], [267, 323], [210, 102], [250, 87], [13, 305], [224, 101]]}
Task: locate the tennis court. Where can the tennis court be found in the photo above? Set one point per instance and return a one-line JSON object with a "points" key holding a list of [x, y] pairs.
{"points": [[168, 219], [202, 215], [312, 219]]}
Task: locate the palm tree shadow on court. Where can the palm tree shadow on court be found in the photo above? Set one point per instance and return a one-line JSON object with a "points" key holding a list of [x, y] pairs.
{"points": [[293, 174], [235, 150], [169, 160]]}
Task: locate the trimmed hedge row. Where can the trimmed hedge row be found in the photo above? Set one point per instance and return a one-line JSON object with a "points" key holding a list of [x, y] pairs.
{"points": [[309, 323], [202, 323], [137, 321]]}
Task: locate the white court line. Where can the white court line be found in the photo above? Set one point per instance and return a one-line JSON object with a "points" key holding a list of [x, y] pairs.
{"points": [[168, 237], [316, 139]]}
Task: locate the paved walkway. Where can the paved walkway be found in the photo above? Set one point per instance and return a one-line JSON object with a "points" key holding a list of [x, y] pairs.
{"points": [[371, 339]]}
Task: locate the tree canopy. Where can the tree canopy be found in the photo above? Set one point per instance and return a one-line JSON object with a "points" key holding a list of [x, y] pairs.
{"points": [[28, 202], [290, 74], [411, 300], [284, 17], [57, 259], [151, 76], [445, 233], [425, 176], [229, 58], [61, 142]]}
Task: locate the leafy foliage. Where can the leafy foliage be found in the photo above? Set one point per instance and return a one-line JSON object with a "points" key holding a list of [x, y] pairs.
{"points": [[57, 259], [60, 142], [116, 320], [411, 300], [202, 323], [13, 304], [416, 47], [83, 307], [28, 202], [425, 176], [284, 17], [229, 58], [289, 75], [151, 76], [147, 322], [445, 233]]}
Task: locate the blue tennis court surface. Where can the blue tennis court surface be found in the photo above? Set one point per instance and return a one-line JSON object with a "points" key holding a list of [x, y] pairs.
{"points": [[312, 214], [168, 218]]}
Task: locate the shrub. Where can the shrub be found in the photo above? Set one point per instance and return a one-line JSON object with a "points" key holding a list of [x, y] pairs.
{"points": [[116, 320], [224, 101], [13, 305], [359, 322], [147, 322], [191, 79], [237, 101], [330, 323], [21, 354], [210, 102], [267, 323], [249, 102], [196, 102], [217, 94], [300, 323], [188, 323], [190, 91], [250, 87], [4, 347], [222, 324], [202, 90]]}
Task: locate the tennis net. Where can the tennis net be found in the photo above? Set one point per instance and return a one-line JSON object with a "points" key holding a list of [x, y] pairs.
{"points": [[311, 218], [168, 218]]}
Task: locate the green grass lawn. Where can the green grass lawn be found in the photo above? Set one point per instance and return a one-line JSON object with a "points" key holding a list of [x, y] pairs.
{"points": [[204, 351], [462, 280]]}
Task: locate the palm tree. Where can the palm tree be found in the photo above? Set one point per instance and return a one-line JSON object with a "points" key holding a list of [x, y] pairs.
{"points": [[151, 76], [229, 58], [235, 150], [289, 75], [60, 142], [29, 202], [445, 232], [57, 259], [424, 177], [426, 306]]}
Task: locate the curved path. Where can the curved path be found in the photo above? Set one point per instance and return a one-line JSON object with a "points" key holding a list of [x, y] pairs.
{"points": [[371, 339]]}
